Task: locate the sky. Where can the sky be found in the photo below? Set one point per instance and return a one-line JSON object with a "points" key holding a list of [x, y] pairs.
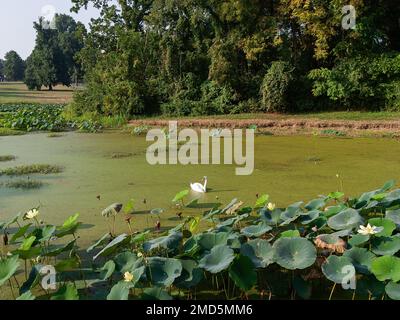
{"points": [[17, 17]]}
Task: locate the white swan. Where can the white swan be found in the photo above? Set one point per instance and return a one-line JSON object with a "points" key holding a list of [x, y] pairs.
{"points": [[198, 187]]}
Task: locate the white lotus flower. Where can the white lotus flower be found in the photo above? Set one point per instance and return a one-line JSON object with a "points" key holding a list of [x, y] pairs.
{"points": [[128, 277], [31, 214], [368, 230], [139, 254], [271, 206]]}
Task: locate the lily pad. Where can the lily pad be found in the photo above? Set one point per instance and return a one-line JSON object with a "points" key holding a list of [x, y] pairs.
{"points": [[346, 219], [66, 292], [361, 258], [393, 215], [107, 270], [337, 268], [209, 240], [169, 242], [294, 253], [163, 271], [127, 261], [388, 226], [155, 293], [219, 259], [392, 289], [382, 246], [241, 266], [386, 268], [259, 251], [310, 216], [120, 291], [271, 218], [358, 239], [113, 246], [8, 267], [290, 234], [316, 204], [191, 274], [255, 231]]}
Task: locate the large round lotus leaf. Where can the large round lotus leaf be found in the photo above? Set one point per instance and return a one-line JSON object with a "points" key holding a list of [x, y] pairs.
{"points": [[169, 242], [7, 268], [127, 261], [256, 230], [393, 215], [113, 245], [294, 253], [291, 213], [388, 226], [107, 270], [242, 273], [66, 292], [191, 274], [219, 258], [358, 239], [383, 246], [155, 293], [259, 251], [346, 219], [119, 291], [163, 271], [368, 287], [361, 259], [392, 289], [211, 239], [316, 204], [290, 234], [386, 268], [310, 216], [271, 218], [337, 268]]}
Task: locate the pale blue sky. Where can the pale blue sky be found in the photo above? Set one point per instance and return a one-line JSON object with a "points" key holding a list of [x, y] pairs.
{"points": [[17, 17]]}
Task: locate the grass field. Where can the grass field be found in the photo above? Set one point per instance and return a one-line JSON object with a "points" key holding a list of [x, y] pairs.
{"points": [[17, 92]]}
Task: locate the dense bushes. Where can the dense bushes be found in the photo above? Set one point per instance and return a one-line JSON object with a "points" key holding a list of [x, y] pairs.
{"points": [[213, 57]]}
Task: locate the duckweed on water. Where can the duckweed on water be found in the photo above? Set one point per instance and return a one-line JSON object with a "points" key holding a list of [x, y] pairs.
{"points": [[7, 158], [10, 132], [32, 169]]}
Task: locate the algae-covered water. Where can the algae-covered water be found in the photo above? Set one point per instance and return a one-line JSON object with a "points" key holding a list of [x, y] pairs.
{"points": [[112, 167]]}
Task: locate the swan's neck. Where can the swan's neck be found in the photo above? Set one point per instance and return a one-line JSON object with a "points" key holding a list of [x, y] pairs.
{"points": [[205, 184]]}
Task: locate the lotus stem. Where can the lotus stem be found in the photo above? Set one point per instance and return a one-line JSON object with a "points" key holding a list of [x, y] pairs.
{"points": [[11, 287], [333, 289]]}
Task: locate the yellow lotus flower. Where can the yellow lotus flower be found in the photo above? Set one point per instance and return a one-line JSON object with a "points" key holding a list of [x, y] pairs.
{"points": [[271, 206], [128, 277], [31, 214], [368, 230]]}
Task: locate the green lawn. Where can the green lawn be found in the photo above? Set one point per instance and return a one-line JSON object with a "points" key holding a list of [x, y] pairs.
{"points": [[17, 92]]}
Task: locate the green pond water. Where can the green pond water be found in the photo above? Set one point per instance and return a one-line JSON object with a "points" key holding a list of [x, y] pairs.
{"points": [[285, 168]]}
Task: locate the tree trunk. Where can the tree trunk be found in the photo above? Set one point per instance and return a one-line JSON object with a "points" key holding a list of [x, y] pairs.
{"points": [[50, 87]]}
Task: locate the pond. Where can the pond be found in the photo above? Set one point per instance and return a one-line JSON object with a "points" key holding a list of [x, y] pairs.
{"points": [[101, 169]]}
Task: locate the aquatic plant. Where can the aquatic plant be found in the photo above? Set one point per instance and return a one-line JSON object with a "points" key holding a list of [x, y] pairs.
{"points": [[7, 158], [305, 250], [32, 169], [25, 184]]}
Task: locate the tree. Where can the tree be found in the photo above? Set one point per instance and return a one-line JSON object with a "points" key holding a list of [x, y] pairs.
{"points": [[14, 67], [1, 70], [54, 58]]}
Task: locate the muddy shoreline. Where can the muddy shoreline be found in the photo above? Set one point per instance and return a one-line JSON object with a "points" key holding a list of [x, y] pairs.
{"points": [[359, 128]]}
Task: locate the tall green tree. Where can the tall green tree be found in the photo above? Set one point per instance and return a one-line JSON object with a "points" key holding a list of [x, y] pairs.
{"points": [[14, 66], [54, 58], [1, 70]]}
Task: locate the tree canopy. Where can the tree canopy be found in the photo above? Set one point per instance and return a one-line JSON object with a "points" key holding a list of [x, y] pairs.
{"points": [[14, 66], [210, 56], [53, 59]]}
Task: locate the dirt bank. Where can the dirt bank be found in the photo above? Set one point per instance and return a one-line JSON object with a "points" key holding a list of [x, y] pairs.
{"points": [[290, 126]]}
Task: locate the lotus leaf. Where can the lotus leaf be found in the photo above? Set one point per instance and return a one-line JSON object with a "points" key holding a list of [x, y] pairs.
{"points": [[337, 268], [388, 226], [346, 219], [256, 230], [392, 289], [219, 259], [163, 271], [170, 242], [259, 251], [386, 268], [361, 259], [294, 253], [242, 273], [8, 267]]}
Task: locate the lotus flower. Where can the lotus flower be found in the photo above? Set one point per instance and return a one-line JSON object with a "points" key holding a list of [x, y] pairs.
{"points": [[31, 214], [271, 206], [368, 230], [128, 277]]}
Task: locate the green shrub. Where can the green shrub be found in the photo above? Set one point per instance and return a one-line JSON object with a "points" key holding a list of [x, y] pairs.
{"points": [[276, 86]]}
